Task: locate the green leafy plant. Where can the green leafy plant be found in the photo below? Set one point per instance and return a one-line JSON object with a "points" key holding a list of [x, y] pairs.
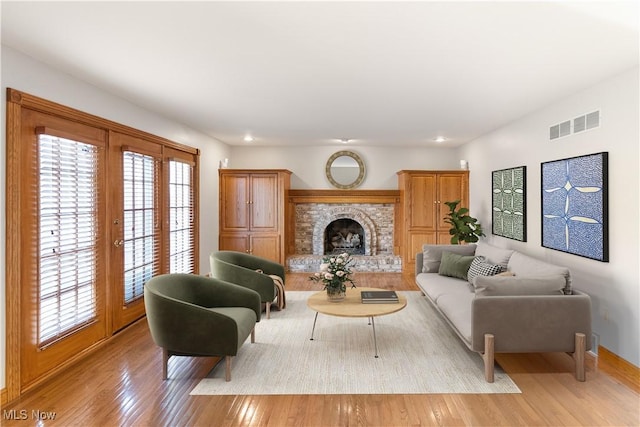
{"points": [[464, 228]]}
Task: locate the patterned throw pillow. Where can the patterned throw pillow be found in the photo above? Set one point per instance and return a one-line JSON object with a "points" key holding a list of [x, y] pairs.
{"points": [[480, 267]]}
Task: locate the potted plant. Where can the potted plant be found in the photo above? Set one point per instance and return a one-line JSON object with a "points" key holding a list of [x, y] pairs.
{"points": [[464, 228]]}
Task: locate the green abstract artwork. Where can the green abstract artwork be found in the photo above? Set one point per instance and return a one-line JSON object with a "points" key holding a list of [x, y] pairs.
{"points": [[509, 203]]}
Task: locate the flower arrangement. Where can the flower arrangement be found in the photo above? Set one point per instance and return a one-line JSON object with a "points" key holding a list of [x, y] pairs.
{"points": [[335, 272]]}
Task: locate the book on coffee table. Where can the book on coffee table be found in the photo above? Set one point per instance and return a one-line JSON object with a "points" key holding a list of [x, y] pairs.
{"points": [[378, 297]]}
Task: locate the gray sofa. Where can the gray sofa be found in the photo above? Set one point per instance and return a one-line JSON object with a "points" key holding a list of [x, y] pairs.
{"points": [[528, 307]]}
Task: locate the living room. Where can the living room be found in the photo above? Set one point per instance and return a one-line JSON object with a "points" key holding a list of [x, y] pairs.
{"points": [[614, 286]]}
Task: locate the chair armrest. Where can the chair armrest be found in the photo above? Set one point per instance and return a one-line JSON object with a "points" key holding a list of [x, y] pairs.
{"points": [[226, 294], [419, 261], [248, 278], [535, 323], [271, 267]]}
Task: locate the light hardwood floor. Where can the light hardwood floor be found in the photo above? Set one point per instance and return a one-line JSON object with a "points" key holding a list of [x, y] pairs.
{"points": [[121, 385]]}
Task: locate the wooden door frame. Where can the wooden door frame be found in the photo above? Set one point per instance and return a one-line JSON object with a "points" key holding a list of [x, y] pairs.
{"points": [[16, 101]]}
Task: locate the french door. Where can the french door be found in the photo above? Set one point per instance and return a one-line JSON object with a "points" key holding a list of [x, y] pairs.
{"points": [[63, 242], [135, 224], [94, 210]]}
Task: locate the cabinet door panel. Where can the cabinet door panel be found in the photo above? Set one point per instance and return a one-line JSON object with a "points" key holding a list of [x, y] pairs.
{"points": [[416, 240], [444, 238], [264, 202], [234, 202], [450, 188], [266, 246], [234, 242], [422, 209]]}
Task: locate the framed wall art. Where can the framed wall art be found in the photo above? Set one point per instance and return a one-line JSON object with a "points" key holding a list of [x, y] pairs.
{"points": [[575, 206], [509, 203]]}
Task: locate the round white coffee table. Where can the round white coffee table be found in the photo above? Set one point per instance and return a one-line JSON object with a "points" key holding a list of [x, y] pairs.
{"points": [[352, 306]]}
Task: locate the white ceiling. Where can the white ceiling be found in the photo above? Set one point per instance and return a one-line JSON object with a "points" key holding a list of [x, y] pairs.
{"points": [[309, 73]]}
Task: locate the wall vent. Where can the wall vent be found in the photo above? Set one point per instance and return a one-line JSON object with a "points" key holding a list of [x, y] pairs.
{"points": [[593, 120], [578, 124]]}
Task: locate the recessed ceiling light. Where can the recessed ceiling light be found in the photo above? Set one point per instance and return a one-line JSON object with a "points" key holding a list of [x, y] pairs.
{"points": [[344, 140], [248, 138], [440, 139]]}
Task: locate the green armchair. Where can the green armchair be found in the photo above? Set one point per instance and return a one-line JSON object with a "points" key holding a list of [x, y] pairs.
{"points": [[249, 271], [192, 315]]}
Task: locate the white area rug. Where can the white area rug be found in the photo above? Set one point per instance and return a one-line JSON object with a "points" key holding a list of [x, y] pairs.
{"points": [[418, 353]]}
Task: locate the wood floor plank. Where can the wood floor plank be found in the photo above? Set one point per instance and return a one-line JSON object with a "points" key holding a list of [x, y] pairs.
{"points": [[121, 385]]}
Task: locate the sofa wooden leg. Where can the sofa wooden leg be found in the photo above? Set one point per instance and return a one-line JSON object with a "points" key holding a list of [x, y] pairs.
{"points": [[253, 335], [165, 363], [268, 309], [227, 372], [488, 357], [579, 354]]}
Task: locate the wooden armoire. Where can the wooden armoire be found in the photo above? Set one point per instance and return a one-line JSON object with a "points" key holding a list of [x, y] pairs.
{"points": [[422, 209], [252, 211]]}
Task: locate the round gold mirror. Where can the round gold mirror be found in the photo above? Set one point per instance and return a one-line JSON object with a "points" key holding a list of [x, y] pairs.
{"points": [[345, 169]]}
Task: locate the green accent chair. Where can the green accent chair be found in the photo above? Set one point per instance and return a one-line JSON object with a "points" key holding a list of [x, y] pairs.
{"points": [[192, 315], [244, 270]]}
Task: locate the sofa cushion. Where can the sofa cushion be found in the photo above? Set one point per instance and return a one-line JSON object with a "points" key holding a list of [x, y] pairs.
{"points": [[493, 254], [516, 285], [457, 309], [480, 267], [432, 255], [454, 265], [524, 265], [434, 286]]}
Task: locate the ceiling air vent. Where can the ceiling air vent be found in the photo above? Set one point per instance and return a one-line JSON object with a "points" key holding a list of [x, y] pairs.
{"points": [[580, 124]]}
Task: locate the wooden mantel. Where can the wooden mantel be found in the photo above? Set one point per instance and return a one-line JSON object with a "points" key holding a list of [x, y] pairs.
{"points": [[343, 196]]}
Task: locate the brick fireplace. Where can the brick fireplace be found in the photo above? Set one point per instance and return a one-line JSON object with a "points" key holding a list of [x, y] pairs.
{"points": [[318, 213]]}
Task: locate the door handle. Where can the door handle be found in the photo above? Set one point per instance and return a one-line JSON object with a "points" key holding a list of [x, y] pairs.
{"points": [[118, 243]]}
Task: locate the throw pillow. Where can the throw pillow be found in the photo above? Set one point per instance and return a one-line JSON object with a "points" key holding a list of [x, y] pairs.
{"points": [[432, 255], [479, 267], [454, 265], [486, 286], [494, 254]]}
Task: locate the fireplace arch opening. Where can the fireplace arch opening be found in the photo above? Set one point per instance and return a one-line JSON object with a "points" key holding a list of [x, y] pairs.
{"points": [[344, 235]]}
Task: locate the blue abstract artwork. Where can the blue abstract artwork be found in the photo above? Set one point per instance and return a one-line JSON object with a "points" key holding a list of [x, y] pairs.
{"points": [[575, 206], [509, 203]]}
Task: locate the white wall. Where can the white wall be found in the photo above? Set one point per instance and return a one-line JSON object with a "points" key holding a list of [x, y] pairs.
{"points": [[308, 163], [613, 286], [25, 74]]}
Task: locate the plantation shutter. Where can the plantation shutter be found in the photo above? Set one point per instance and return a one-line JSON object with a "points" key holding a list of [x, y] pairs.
{"points": [[141, 222], [69, 236], [181, 217]]}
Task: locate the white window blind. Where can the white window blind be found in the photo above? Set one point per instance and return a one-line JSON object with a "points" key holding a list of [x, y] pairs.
{"points": [[68, 229], [140, 223], [181, 217]]}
